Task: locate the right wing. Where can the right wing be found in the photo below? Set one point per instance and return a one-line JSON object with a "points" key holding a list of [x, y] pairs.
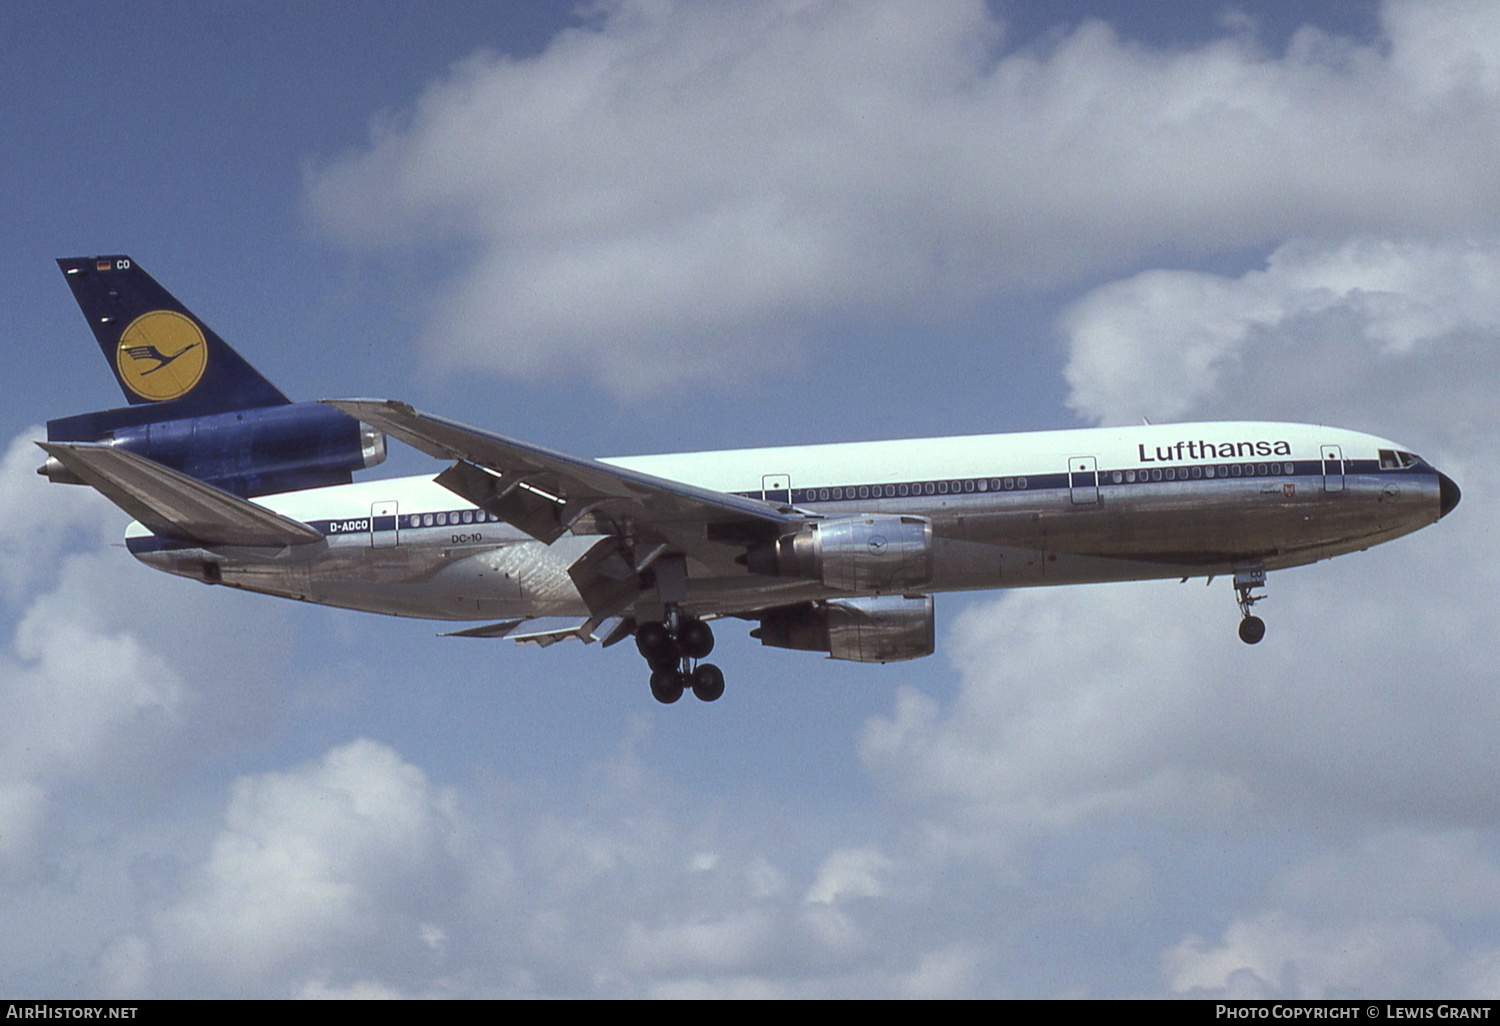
{"points": [[174, 505]]}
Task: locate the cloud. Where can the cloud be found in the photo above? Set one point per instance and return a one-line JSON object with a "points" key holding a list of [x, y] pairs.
{"points": [[1276, 956], [319, 875], [111, 668], [1369, 332], [89, 706], [683, 192], [114, 683], [1396, 913]]}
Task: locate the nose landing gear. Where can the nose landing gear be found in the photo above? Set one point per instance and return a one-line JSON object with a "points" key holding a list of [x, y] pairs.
{"points": [[672, 649], [1252, 627]]}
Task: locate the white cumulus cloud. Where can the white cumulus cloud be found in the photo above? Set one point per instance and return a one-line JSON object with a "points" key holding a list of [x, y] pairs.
{"points": [[683, 192]]}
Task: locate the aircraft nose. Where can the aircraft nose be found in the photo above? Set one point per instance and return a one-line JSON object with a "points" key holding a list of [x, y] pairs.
{"points": [[1448, 494]]}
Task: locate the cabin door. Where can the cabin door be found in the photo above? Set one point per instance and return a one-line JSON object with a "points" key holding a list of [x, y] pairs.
{"points": [[385, 530], [1083, 480], [1333, 468]]}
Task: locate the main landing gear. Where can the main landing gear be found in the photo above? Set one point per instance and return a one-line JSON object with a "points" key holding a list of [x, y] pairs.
{"points": [[672, 648], [1252, 627]]}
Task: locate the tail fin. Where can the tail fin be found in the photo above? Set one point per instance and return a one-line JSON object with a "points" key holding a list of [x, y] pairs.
{"points": [[159, 351], [196, 407]]}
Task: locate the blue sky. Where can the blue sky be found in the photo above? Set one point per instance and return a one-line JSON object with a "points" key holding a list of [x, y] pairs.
{"points": [[658, 226]]}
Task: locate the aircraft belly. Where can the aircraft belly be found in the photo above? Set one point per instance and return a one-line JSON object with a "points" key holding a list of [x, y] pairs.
{"points": [[472, 582], [444, 582]]}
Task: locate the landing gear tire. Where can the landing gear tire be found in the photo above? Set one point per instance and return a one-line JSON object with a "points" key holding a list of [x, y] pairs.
{"points": [[667, 686], [656, 644], [1252, 629], [695, 638], [708, 683]]}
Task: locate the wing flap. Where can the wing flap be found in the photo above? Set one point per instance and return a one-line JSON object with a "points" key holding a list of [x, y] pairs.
{"points": [[542, 631], [174, 505]]}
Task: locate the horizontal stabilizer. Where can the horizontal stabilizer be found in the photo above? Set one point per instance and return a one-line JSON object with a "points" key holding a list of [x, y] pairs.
{"points": [[173, 505]]}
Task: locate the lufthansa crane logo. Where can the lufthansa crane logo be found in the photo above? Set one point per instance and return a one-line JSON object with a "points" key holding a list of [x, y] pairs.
{"points": [[161, 355]]}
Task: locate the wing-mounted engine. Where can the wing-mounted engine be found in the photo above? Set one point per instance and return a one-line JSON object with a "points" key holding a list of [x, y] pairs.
{"points": [[861, 554], [885, 629]]}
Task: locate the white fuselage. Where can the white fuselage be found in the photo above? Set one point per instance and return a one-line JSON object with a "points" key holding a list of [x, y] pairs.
{"points": [[1056, 507]]}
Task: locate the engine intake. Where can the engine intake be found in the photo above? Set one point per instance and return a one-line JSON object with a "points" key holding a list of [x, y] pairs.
{"points": [[860, 554], [885, 629]]}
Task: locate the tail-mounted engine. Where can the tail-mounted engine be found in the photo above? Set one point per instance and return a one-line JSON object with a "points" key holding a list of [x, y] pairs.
{"points": [[885, 629], [246, 452], [859, 554]]}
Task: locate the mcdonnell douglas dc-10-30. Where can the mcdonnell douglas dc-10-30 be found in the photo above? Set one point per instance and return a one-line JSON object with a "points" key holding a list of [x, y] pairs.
{"points": [[826, 548]]}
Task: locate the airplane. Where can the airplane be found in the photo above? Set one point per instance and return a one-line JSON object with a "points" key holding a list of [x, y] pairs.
{"points": [[834, 548]]}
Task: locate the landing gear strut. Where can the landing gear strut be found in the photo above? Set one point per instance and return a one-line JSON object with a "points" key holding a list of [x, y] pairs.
{"points": [[672, 649], [1252, 627]]}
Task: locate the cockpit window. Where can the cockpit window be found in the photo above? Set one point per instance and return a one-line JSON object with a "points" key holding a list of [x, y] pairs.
{"points": [[1392, 459]]}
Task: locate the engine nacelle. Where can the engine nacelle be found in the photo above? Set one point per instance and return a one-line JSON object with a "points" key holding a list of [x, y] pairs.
{"points": [[882, 553], [247, 452], [885, 629]]}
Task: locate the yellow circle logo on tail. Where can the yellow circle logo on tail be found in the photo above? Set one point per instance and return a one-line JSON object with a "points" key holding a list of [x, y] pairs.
{"points": [[161, 355]]}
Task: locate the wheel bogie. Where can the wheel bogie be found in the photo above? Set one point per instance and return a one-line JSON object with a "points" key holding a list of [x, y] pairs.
{"points": [[671, 649]]}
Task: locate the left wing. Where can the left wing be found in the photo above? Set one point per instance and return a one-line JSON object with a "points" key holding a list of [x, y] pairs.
{"points": [[650, 523]]}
